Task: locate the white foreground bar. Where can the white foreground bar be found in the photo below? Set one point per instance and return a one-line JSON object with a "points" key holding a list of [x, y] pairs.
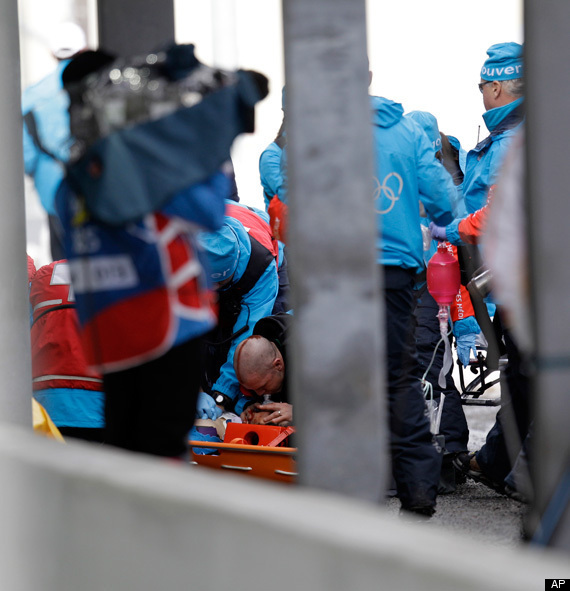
{"points": [[15, 359], [82, 518]]}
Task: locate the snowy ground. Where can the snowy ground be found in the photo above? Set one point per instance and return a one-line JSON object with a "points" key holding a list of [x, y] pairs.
{"points": [[474, 509], [479, 418]]}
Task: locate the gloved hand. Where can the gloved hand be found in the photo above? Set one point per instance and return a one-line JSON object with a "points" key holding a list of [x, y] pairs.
{"points": [[206, 408], [466, 344], [437, 232], [466, 331]]}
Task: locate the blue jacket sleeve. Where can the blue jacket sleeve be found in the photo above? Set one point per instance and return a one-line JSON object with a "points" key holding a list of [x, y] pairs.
{"points": [[284, 188], [459, 209], [452, 232], [435, 184], [465, 326], [256, 304], [270, 171], [30, 152]]}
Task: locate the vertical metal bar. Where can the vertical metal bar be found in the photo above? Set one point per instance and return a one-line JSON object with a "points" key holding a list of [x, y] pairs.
{"points": [[84, 13], [547, 46], [91, 23], [128, 27], [338, 355], [224, 35], [15, 364]]}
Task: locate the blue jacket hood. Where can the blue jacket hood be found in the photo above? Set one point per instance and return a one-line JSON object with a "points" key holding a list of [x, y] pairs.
{"points": [[385, 113]]}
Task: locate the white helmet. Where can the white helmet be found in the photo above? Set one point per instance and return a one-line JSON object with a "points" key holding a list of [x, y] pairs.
{"points": [[66, 39]]}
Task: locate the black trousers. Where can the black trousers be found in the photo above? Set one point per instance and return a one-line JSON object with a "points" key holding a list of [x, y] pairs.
{"points": [[426, 332], [416, 462], [151, 408], [87, 434], [514, 414]]}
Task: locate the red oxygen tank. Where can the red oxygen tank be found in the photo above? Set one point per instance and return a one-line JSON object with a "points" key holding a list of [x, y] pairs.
{"points": [[443, 276]]}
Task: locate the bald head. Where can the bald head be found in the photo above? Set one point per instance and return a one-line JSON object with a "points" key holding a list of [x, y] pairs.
{"points": [[259, 365]]}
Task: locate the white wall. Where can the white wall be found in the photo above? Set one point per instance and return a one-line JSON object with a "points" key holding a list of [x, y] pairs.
{"points": [[83, 518]]}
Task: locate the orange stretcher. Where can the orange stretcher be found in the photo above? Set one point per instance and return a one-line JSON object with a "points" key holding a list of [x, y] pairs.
{"points": [[255, 450]]}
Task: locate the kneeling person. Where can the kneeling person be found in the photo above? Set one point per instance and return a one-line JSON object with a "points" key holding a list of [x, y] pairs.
{"points": [[260, 366], [243, 259]]}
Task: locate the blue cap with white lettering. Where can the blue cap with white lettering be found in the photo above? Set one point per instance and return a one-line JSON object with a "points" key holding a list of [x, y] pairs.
{"points": [[505, 62]]}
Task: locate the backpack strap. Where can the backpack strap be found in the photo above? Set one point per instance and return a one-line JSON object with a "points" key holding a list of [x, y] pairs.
{"points": [[231, 298], [258, 261], [30, 121]]}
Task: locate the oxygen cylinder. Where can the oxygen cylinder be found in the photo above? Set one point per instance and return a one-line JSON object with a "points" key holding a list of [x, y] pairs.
{"points": [[443, 276], [443, 282]]}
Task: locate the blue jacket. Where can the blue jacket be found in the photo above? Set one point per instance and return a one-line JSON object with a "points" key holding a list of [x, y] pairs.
{"points": [[458, 206], [459, 209], [48, 103], [270, 171], [406, 173], [256, 304], [428, 123], [484, 161]]}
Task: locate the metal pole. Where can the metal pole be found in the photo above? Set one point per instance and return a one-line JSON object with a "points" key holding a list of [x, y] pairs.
{"points": [[338, 355], [15, 358], [548, 128], [129, 27], [224, 34]]}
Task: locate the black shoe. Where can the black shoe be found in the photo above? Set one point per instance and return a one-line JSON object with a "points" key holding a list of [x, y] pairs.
{"points": [[460, 477], [447, 480], [515, 495], [417, 513], [462, 463]]}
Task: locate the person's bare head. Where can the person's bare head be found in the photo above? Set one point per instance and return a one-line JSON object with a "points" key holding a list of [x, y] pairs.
{"points": [[497, 93], [259, 365]]}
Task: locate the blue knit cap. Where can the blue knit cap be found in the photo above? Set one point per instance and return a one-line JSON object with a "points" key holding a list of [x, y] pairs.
{"points": [[222, 252], [505, 62], [429, 124]]}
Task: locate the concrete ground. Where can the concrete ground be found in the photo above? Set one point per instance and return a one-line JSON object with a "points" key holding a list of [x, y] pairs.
{"points": [[474, 509], [481, 513]]}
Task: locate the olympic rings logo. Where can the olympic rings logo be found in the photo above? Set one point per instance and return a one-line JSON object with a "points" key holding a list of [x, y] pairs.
{"points": [[385, 189]]}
